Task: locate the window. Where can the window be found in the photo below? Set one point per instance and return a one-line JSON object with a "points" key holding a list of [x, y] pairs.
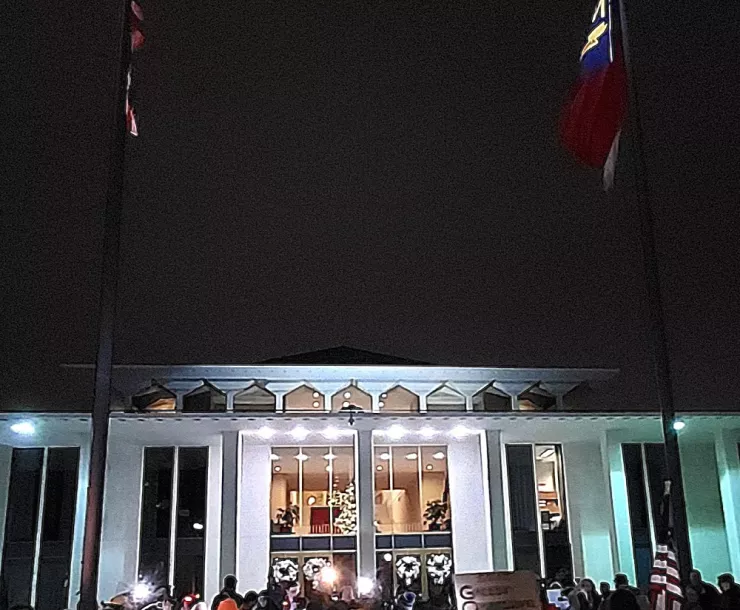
{"points": [[537, 506], [312, 491], [426, 572], [154, 398], [411, 489], [351, 396], [204, 399], [304, 399], [445, 399], [399, 399], [42, 499], [317, 573], [254, 398], [174, 529], [491, 399]]}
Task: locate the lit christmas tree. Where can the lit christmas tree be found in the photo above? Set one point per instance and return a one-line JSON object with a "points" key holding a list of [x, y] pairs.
{"points": [[346, 520]]}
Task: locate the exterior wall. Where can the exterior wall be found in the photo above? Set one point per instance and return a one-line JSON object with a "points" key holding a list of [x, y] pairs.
{"points": [[614, 469], [589, 510], [497, 500], [212, 583], [6, 456], [119, 548], [79, 533], [253, 525], [470, 505], [728, 466]]}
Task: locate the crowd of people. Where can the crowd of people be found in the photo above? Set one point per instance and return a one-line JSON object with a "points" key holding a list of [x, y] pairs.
{"points": [[698, 594]]}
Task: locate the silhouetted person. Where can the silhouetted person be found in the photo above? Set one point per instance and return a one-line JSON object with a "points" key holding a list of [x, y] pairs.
{"points": [[228, 592], [708, 594], [730, 596]]}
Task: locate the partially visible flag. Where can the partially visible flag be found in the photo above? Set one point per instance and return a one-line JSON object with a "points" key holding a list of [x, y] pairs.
{"points": [[592, 119], [665, 579], [136, 17]]}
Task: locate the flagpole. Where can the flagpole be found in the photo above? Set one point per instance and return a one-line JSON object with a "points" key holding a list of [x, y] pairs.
{"points": [[657, 331], [106, 324]]}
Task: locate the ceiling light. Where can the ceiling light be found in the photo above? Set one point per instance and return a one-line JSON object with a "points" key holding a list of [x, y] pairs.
{"points": [[430, 467], [547, 453], [330, 456], [277, 469], [385, 456], [316, 394], [311, 500], [198, 527], [411, 456], [396, 432], [331, 433], [440, 455], [316, 404], [427, 432], [299, 433], [381, 404], [301, 457], [379, 468], [460, 431], [348, 394], [24, 428], [265, 432], [274, 457], [678, 425]]}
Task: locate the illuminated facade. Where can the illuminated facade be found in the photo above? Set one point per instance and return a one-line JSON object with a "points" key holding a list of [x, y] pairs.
{"points": [[256, 469]]}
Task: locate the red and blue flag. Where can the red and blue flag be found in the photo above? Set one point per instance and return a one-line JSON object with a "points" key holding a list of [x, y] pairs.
{"points": [[593, 117]]}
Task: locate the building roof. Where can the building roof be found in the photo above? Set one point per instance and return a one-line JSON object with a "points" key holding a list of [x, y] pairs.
{"points": [[343, 355]]}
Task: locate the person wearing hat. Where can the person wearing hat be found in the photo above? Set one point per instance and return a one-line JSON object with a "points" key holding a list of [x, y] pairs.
{"points": [[406, 601]]}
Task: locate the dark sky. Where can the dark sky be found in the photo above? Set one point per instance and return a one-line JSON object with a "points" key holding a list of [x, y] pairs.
{"points": [[378, 173]]}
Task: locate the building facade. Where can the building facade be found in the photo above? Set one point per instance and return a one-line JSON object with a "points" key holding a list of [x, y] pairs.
{"points": [[392, 472]]}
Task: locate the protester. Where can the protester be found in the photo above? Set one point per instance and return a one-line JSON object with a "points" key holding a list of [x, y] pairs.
{"points": [[228, 592], [406, 601], [692, 597], [250, 600], [605, 590], [730, 596], [584, 596], [622, 599], [708, 594]]}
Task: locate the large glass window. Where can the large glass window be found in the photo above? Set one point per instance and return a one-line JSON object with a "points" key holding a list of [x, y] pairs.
{"points": [[174, 529], [426, 572], [312, 490], [411, 489], [523, 507], [42, 499], [317, 574]]}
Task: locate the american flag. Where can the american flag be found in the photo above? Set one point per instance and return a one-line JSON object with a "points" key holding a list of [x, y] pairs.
{"points": [[135, 18], [665, 581]]}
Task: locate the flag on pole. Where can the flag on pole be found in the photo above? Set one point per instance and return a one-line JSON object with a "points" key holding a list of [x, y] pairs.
{"points": [[665, 580], [593, 116], [136, 17]]}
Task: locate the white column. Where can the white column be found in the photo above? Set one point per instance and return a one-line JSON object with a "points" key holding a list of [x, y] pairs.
{"points": [[499, 531], [253, 525], [213, 540], [6, 458], [229, 485], [624, 557], [364, 479], [469, 502], [589, 510], [728, 466], [119, 548], [79, 527]]}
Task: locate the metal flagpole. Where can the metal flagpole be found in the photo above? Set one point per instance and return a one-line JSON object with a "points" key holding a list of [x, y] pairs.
{"points": [[106, 324], [657, 332]]}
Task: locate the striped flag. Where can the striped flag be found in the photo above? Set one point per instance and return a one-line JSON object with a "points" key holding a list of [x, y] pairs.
{"points": [[665, 582], [135, 18]]}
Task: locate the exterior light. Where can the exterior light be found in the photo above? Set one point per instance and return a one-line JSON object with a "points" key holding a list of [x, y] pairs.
{"points": [[141, 591], [299, 433], [265, 432], [427, 432], [198, 527], [678, 425], [411, 456], [385, 456], [301, 457], [440, 455], [331, 433], [365, 585], [348, 394], [24, 428], [396, 432]]}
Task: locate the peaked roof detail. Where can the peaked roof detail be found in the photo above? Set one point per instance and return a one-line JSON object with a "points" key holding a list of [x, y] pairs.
{"points": [[343, 355]]}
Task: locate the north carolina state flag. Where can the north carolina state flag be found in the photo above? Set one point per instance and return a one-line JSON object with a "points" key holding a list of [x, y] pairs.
{"points": [[592, 119]]}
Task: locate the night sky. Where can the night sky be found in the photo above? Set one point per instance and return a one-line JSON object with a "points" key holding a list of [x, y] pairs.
{"points": [[381, 174]]}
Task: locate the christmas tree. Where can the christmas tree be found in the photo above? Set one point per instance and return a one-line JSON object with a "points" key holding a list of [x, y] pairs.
{"points": [[346, 520]]}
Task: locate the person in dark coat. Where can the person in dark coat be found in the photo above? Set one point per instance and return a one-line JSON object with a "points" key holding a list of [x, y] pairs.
{"points": [[228, 592], [730, 596], [708, 594]]}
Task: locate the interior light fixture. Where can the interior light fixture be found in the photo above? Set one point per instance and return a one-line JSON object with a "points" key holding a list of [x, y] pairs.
{"points": [[299, 433], [301, 457], [265, 432], [274, 457], [327, 468], [379, 468], [24, 428], [547, 453], [385, 456], [330, 456], [411, 456], [678, 425], [198, 527], [427, 432], [348, 394], [311, 500], [440, 455], [430, 467], [396, 432], [388, 557], [277, 469]]}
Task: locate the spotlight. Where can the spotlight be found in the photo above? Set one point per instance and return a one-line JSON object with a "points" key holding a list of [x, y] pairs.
{"points": [[299, 433], [427, 432], [396, 432]]}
